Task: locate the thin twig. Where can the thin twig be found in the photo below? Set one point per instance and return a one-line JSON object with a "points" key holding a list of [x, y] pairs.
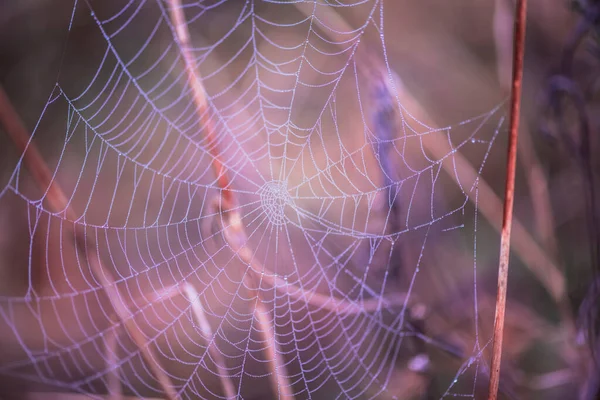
{"points": [[490, 206], [280, 383], [279, 375], [194, 298], [509, 195], [536, 179], [187, 290], [112, 357], [537, 182], [235, 235], [57, 201], [195, 82], [126, 316], [540, 195], [38, 168], [551, 380]]}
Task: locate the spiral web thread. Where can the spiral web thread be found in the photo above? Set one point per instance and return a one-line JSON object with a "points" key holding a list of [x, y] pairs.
{"points": [[329, 171]]}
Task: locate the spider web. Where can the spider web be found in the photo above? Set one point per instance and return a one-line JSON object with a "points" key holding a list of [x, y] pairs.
{"points": [[335, 182]]}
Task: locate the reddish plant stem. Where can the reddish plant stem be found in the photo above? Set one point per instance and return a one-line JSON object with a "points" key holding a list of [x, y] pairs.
{"points": [[195, 82], [279, 377], [58, 202], [188, 290], [31, 156], [509, 195]]}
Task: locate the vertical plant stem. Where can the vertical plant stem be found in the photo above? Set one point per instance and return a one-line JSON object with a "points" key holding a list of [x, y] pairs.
{"points": [[509, 195]]}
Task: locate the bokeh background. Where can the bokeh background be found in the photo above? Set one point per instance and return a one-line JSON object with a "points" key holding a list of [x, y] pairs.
{"points": [[453, 62]]}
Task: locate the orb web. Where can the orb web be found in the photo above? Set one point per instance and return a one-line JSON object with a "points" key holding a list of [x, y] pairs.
{"points": [[274, 198], [331, 173]]}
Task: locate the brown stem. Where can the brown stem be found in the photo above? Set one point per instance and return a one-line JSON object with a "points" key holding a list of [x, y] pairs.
{"points": [[38, 168], [195, 82], [126, 316], [537, 182], [509, 195], [280, 382], [57, 201], [234, 233]]}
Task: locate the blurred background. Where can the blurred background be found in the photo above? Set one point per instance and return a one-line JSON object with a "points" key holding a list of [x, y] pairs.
{"points": [[139, 177]]}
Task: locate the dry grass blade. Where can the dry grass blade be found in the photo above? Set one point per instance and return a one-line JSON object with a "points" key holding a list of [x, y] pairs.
{"points": [[194, 298], [279, 374], [490, 206], [58, 202], [234, 233], [280, 382], [38, 169], [509, 196], [195, 82], [112, 359], [126, 316]]}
